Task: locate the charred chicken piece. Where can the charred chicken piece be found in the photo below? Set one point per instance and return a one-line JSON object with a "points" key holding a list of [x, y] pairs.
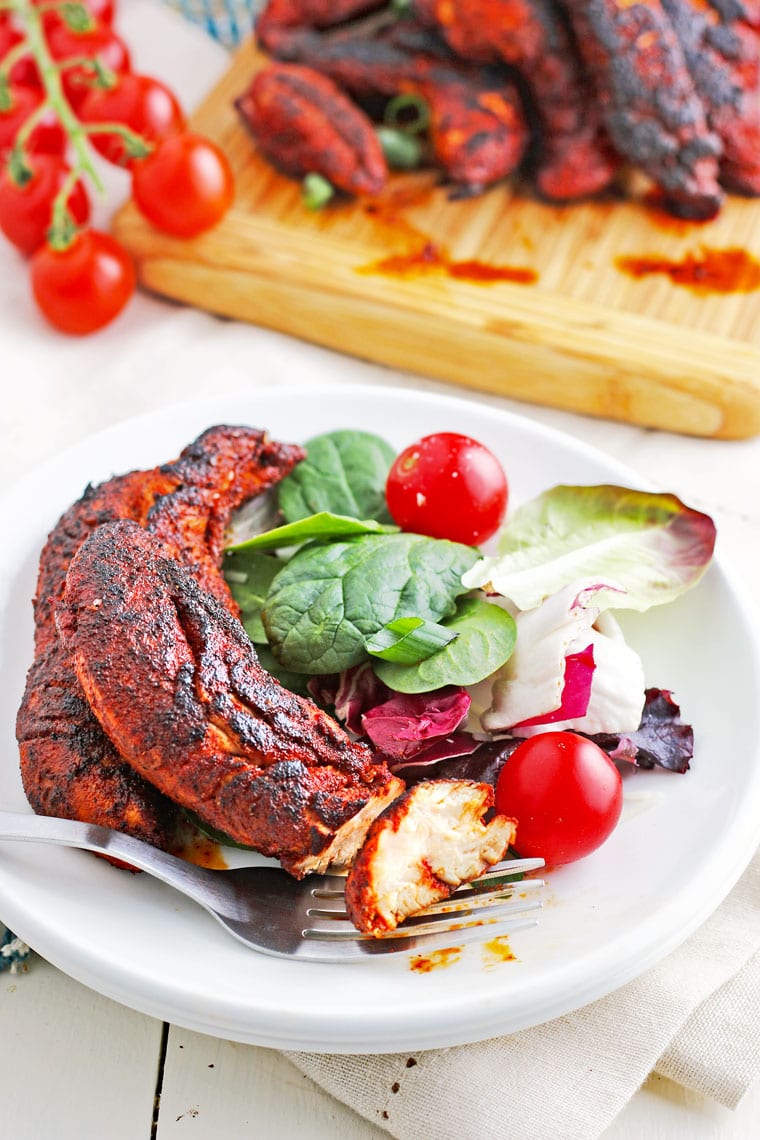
{"points": [[68, 766], [188, 502], [176, 685], [723, 57], [649, 101], [421, 848], [477, 127], [575, 159], [303, 123]]}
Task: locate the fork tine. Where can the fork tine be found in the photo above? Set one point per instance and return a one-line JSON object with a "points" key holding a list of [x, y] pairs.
{"points": [[332, 886], [421, 925], [482, 899], [461, 900]]}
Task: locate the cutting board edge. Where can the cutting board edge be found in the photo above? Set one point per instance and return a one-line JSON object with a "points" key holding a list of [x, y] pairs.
{"points": [[537, 369]]}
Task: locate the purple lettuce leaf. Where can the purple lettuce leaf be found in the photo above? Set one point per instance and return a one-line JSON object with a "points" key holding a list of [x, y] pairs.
{"points": [[661, 740]]}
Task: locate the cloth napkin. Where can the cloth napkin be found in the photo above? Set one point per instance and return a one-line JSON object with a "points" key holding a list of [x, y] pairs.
{"points": [[694, 1018]]}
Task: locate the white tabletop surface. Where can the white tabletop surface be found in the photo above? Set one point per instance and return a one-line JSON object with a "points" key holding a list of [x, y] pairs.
{"points": [[74, 1065]]}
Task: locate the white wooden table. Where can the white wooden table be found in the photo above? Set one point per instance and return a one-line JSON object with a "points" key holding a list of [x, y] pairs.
{"points": [[76, 1066]]}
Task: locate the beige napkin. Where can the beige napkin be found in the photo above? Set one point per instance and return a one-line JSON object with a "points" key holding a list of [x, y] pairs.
{"points": [[694, 1018]]}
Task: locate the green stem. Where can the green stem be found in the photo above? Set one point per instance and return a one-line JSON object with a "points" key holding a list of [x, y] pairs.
{"points": [[11, 58], [30, 123], [136, 145], [63, 227], [56, 98]]}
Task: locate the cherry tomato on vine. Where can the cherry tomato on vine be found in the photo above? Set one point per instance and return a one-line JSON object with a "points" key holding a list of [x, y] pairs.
{"points": [[139, 102], [84, 286], [48, 137], [24, 71], [98, 42], [185, 186], [101, 11], [26, 210], [448, 486], [565, 793]]}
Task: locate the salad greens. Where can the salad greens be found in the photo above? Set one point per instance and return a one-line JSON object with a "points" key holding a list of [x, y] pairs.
{"points": [[652, 546], [485, 639], [331, 596], [344, 473], [404, 638], [324, 526], [408, 640]]}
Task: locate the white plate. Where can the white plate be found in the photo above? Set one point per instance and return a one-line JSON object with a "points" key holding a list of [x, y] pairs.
{"points": [[681, 845]]}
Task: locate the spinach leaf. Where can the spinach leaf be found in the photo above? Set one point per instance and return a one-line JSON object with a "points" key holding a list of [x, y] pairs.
{"points": [[324, 527], [486, 639], [249, 575], [344, 473], [329, 598], [408, 640]]}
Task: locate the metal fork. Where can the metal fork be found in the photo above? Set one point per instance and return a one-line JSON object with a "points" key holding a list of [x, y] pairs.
{"points": [[274, 913]]}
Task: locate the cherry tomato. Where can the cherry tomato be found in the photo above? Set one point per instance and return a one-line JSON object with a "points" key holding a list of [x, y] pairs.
{"points": [[24, 71], [98, 42], [102, 11], [86, 285], [26, 211], [565, 793], [184, 187], [448, 486], [48, 137], [139, 102]]}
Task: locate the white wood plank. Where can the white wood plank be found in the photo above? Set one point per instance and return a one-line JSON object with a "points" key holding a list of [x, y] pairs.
{"points": [[219, 1089], [75, 1065]]}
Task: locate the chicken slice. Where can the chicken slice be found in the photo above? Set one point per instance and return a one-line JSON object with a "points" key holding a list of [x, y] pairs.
{"points": [[176, 685], [421, 848]]}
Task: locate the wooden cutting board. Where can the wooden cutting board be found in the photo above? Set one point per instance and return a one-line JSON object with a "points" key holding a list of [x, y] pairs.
{"points": [[583, 336]]}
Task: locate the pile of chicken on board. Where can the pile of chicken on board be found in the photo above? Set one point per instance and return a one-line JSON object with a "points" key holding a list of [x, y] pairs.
{"points": [[569, 94], [146, 700]]}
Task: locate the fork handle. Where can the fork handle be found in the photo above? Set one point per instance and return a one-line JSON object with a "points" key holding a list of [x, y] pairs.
{"points": [[169, 869]]}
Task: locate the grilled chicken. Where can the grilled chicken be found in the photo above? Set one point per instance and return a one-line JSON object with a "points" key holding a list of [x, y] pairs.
{"points": [[175, 683], [68, 766], [421, 848]]}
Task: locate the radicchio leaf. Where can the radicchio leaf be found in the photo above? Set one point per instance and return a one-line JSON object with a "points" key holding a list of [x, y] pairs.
{"points": [[662, 738], [443, 748], [403, 726], [359, 690], [576, 690], [350, 694]]}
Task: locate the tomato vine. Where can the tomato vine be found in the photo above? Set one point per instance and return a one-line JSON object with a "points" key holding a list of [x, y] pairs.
{"points": [[67, 91]]}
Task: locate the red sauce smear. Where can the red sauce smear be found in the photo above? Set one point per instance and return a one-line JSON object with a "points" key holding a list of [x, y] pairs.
{"points": [[707, 271], [422, 255], [431, 258], [436, 960]]}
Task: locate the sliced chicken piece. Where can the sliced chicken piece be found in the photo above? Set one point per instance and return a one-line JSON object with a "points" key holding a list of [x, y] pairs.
{"points": [[176, 685], [421, 848]]}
